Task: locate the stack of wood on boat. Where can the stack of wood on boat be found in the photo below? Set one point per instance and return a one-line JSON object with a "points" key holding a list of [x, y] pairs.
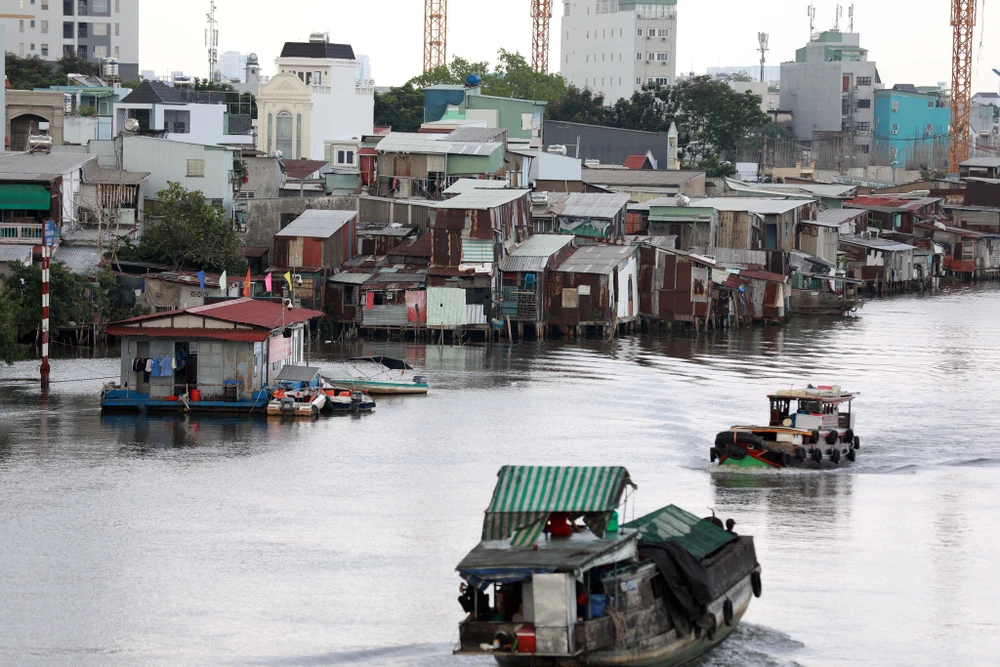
{"points": [[660, 590]]}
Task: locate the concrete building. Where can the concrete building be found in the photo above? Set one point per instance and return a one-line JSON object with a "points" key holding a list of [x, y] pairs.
{"points": [[233, 65], [33, 112], [326, 116], [830, 87], [913, 127], [614, 47], [90, 29], [162, 112], [35, 187], [448, 107]]}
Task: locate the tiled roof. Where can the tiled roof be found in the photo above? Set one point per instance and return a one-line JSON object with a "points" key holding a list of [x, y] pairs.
{"points": [[153, 92], [317, 50], [635, 162], [299, 169], [251, 312]]}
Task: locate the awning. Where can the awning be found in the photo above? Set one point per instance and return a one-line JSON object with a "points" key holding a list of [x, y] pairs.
{"points": [[698, 536], [525, 496], [24, 197]]}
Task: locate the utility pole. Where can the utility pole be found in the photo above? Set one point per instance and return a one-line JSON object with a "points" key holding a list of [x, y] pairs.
{"points": [[762, 39], [212, 42], [48, 240]]}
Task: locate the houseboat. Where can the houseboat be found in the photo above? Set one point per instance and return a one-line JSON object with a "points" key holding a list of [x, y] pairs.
{"points": [[543, 589], [382, 376], [220, 357], [809, 428]]}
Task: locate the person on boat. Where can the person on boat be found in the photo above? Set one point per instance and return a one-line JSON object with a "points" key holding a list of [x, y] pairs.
{"points": [[470, 604]]}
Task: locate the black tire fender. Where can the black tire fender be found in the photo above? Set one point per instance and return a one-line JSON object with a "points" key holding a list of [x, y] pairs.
{"points": [[852, 454], [801, 454], [755, 584], [857, 442], [835, 456], [848, 436], [832, 437], [736, 452], [713, 454], [818, 455], [786, 459], [814, 436], [727, 612]]}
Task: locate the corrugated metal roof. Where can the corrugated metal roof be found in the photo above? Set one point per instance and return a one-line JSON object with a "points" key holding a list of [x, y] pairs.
{"points": [[317, 223], [840, 215], [476, 251], [408, 142], [478, 134], [351, 278], [15, 253], [385, 316], [981, 162], [179, 333], [630, 177], [876, 243], [290, 373], [828, 190], [81, 260], [757, 205], [92, 173], [591, 205], [600, 259], [482, 199], [464, 185], [890, 204], [698, 536], [40, 166], [302, 169], [533, 255], [252, 312], [392, 229], [525, 496]]}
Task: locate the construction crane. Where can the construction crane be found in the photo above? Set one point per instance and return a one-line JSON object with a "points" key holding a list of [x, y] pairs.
{"points": [[963, 23], [541, 18], [435, 34]]}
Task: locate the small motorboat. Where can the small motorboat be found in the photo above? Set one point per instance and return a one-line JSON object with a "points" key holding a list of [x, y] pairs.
{"points": [[347, 400], [383, 376], [296, 403], [817, 431], [542, 591]]}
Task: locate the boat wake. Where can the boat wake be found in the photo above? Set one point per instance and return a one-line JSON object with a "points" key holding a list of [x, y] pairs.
{"points": [[410, 655], [753, 646]]}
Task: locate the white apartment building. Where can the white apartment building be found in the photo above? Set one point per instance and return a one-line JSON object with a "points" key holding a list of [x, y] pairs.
{"points": [[614, 47], [91, 29], [325, 118], [233, 65]]}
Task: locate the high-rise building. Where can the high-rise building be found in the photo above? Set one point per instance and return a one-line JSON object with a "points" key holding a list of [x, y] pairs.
{"points": [[233, 65], [831, 87], [614, 47], [90, 29]]}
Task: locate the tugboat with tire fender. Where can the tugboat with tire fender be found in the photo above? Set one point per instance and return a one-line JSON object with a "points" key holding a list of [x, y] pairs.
{"points": [[809, 428]]}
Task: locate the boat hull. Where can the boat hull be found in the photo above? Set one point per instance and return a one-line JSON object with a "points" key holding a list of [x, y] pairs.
{"points": [[665, 650], [387, 388], [746, 447]]}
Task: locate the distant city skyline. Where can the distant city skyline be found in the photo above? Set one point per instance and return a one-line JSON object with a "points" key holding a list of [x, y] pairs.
{"points": [[912, 46]]}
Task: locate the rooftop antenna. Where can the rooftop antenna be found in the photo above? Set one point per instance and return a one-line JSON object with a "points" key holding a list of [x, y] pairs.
{"points": [[836, 23], [762, 38], [812, 21], [850, 16], [212, 41]]}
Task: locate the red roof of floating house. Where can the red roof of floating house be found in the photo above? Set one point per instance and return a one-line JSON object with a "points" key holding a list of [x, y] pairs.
{"points": [[251, 320]]}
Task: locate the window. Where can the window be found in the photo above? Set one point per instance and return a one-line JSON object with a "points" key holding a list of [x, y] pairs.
{"points": [[45, 50], [930, 105], [20, 49], [100, 52], [864, 81], [100, 29], [45, 27], [663, 57], [100, 6], [285, 134], [567, 59], [117, 6], [116, 53], [345, 157], [639, 32], [895, 106], [895, 128], [638, 80], [865, 148], [31, 47], [117, 30], [864, 104], [604, 33], [929, 129], [650, 56], [31, 25], [638, 56], [21, 25], [864, 127], [588, 34], [82, 30], [67, 30], [177, 122], [196, 169], [602, 80], [602, 57], [663, 32], [587, 57]]}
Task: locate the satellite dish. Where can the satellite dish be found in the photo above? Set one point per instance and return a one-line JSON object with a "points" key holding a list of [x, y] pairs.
{"points": [[131, 126]]}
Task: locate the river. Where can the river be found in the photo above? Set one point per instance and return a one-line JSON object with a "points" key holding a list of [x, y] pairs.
{"points": [[165, 541]]}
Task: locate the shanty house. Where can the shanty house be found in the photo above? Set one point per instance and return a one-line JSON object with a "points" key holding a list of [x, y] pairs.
{"points": [[674, 285], [598, 285], [693, 225], [424, 165], [525, 273], [893, 214], [595, 215], [980, 167], [881, 263], [970, 254], [314, 246], [221, 356], [35, 187], [820, 238], [757, 223]]}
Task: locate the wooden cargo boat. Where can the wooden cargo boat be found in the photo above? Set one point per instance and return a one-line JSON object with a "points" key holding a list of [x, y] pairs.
{"points": [[656, 592], [809, 428], [381, 380]]}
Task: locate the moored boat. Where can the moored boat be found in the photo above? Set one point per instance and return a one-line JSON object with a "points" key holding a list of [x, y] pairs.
{"points": [[297, 393], [347, 400], [381, 378], [656, 592], [809, 428]]}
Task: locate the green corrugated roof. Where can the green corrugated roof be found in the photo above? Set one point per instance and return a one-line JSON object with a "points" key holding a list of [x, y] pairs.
{"points": [[698, 537], [526, 495], [24, 197]]}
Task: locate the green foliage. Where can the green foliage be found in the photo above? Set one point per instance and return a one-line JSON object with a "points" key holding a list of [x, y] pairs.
{"points": [[400, 108], [579, 106], [111, 307], [10, 349], [711, 117], [33, 72], [87, 111], [742, 75], [714, 167], [68, 298], [190, 233]]}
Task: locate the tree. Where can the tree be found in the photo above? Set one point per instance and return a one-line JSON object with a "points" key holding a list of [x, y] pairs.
{"points": [[579, 106], [400, 108], [10, 349], [68, 301], [33, 72], [742, 76], [190, 233], [512, 77]]}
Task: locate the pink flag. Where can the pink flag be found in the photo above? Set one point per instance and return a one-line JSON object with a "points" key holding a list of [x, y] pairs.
{"points": [[267, 282]]}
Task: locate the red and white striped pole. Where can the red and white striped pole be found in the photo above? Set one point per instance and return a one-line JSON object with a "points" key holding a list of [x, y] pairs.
{"points": [[46, 251]]}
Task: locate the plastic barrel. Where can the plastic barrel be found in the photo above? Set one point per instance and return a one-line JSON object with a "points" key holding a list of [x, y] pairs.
{"points": [[613, 523], [597, 603]]}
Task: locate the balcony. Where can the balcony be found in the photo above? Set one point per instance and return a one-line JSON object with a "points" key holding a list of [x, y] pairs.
{"points": [[21, 232]]}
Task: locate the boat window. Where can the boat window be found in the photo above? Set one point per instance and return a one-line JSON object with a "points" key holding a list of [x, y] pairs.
{"points": [[813, 407]]}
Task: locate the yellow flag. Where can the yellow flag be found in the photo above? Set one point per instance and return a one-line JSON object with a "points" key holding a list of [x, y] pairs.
{"points": [[288, 279]]}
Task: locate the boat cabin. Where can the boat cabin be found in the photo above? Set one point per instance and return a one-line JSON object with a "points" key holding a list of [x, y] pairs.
{"points": [[815, 408]]}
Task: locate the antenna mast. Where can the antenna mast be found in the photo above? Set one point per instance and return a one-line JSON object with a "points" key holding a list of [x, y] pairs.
{"points": [[850, 16], [836, 23], [812, 20], [212, 42], [762, 38]]}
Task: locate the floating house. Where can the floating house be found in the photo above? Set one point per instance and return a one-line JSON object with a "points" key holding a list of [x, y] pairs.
{"points": [[220, 357], [524, 275], [893, 214], [674, 285], [972, 255], [600, 216], [596, 286], [884, 265], [314, 246]]}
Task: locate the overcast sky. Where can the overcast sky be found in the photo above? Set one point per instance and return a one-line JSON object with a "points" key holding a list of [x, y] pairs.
{"points": [[910, 39]]}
